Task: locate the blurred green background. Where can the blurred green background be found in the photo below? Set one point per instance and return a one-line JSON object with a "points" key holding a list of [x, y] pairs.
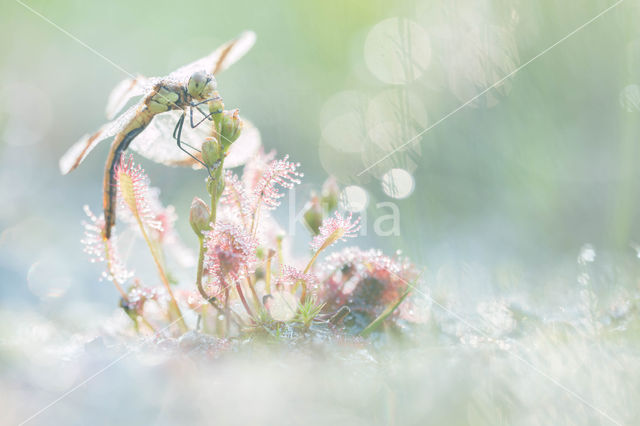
{"points": [[526, 173]]}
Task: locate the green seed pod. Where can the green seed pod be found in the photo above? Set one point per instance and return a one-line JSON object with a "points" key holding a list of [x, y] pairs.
{"points": [[211, 154], [216, 108], [230, 127], [199, 216]]}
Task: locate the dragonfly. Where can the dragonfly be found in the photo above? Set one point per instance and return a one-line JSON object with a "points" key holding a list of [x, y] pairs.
{"points": [[154, 125]]}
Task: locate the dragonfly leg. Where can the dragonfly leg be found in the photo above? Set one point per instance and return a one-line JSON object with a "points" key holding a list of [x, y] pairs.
{"points": [[177, 132], [206, 116], [215, 98]]}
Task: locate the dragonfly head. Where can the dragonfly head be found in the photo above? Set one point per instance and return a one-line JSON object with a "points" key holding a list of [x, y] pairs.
{"points": [[201, 85]]}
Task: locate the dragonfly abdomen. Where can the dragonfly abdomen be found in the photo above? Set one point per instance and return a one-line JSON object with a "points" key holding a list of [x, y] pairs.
{"points": [[118, 147]]}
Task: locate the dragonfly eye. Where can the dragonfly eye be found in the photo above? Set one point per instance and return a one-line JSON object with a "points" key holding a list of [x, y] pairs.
{"points": [[197, 83]]}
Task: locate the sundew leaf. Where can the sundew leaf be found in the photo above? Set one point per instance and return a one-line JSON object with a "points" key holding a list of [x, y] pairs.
{"points": [[128, 193]]}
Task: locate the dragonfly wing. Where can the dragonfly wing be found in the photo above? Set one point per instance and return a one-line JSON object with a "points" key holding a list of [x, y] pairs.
{"points": [[219, 60], [245, 147], [127, 89], [157, 144], [79, 151]]}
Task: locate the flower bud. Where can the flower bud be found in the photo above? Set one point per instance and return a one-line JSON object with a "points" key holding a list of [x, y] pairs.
{"points": [[230, 127], [313, 215], [199, 216], [211, 155], [216, 107], [330, 194]]}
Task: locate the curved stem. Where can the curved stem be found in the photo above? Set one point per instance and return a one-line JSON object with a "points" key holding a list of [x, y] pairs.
{"points": [[242, 298], [280, 254], [252, 288], [201, 290], [107, 253], [308, 267], [303, 295], [311, 262], [199, 272], [227, 312], [173, 305], [256, 217], [267, 278], [145, 322]]}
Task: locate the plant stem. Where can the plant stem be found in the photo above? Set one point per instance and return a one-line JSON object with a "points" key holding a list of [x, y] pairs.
{"points": [[110, 269], [256, 217], [312, 261], [123, 294], [330, 240], [173, 305], [267, 278], [120, 290], [145, 322], [201, 251], [242, 298], [303, 295], [280, 255], [384, 315], [227, 315], [199, 274], [252, 288]]}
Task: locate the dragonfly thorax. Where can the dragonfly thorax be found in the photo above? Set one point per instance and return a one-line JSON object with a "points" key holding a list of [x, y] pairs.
{"points": [[201, 85]]}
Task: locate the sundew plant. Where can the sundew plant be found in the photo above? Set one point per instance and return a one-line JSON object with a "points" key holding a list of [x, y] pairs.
{"points": [[247, 282], [419, 212]]}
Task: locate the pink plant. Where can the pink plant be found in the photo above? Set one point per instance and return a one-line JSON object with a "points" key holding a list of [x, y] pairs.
{"points": [[101, 250], [255, 168], [333, 229], [138, 296], [241, 246], [280, 173], [133, 192], [164, 217], [237, 198], [290, 277], [230, 253], [370, 280]]}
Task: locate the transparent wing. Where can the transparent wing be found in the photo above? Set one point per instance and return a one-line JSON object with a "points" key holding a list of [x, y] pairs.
{"points": [[221, 59], [156, 141], [79, 151], [157, 144], [245, 147], [124, 91]]}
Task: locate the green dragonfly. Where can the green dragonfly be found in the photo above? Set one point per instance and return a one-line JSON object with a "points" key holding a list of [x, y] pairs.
{"points": [[155, 124]]}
